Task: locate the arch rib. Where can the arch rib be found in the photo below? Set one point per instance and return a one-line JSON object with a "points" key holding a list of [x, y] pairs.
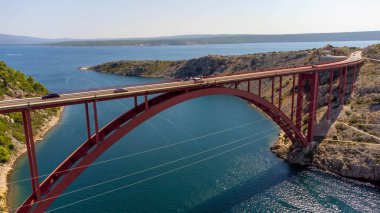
{"points": [[88, 152]]}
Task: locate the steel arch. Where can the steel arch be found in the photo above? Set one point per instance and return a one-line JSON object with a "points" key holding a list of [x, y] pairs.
{"points": [[89, 151]]}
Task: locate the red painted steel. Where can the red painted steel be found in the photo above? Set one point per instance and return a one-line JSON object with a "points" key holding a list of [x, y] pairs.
{"points": [[279, 94], [259, 93], [344, 86], [31, 154], [135, 100], [330, 93], [292, 107], [353, 80], [96, 122], [312, 105], [272, 96], [79, 160], [340, 84], [88, 121], [146, 102], [299, 101], [249, 86], [262, 74]]}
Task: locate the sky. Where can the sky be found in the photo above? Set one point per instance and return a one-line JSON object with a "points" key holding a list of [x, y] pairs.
{"points": [[149, 18]]}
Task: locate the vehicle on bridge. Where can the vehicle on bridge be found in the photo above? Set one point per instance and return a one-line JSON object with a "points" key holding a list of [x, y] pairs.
{"points": [[120, 90], [50, 95], [198, 80]]}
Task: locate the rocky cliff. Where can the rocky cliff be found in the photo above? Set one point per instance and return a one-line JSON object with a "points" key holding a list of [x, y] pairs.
{"points": [[348, 145]]}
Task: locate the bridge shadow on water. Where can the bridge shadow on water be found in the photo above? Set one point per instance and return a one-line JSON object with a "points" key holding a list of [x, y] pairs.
{"points": [[258, 184]]}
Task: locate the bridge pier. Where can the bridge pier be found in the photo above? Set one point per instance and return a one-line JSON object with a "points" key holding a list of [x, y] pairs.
{"points": [[313, 102], [292, 107], [29, 141], [96, 122], [279, 93], [344, 86], [330, 93], [272, 96], [340, 84], [299, 102], [88, 121], [259, 92], [313, 77]]}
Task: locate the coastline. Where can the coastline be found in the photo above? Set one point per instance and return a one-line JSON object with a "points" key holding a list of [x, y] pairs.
{"points": [[19, 150]]}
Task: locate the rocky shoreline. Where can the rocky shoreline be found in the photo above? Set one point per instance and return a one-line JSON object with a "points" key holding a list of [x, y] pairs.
{"points": [[19, 150], [350, 159]]}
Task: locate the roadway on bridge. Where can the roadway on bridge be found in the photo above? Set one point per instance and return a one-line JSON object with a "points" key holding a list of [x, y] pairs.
{"points": [[15, 105]]}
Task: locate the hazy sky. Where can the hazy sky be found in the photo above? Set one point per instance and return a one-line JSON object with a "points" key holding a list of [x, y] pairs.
{"points": [[146, 18]]}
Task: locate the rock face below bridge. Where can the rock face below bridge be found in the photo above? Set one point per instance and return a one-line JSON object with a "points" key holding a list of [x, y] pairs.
{"points": [[348, 145], [349, 159]]}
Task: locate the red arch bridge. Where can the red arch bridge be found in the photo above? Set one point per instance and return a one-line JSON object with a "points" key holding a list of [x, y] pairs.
{"points": [[169, 94]]}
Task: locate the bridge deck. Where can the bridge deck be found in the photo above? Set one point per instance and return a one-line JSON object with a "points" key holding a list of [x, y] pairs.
{"points": [[107, 94]]}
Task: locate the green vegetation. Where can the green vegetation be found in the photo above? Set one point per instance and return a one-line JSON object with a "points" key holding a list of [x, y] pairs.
{"points": [[15, 84]]}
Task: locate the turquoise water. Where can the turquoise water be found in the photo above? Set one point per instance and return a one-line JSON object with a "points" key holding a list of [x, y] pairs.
{"points": [[239, 176]]}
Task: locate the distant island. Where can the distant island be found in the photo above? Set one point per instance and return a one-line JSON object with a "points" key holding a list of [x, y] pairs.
{"points": [[226, 39], [194, 39]]}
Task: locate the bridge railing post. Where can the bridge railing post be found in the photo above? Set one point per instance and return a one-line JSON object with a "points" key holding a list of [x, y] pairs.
{"points": [[28, 131]]}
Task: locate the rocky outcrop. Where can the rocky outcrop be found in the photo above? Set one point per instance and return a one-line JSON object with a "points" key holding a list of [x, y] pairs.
{"points": [[355, 160], [349, 159]]}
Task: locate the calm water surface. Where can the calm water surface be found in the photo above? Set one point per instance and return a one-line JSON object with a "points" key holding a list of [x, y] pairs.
{"points": [[233, 176]]}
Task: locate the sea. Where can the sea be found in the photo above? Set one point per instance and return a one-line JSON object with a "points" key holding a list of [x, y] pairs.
{"points": [[210, 154]]}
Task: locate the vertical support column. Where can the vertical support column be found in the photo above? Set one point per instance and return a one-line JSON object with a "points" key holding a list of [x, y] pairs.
{"points": [[249, 86], [259, 93], [135, 102], [312, 106], [31, 153], [340, 85], [299, 102], [293, 88], [279, 96], [353, 80], [146, 102], [88, 121], [236, 85], [330, 93], [96, 122], [344, 86], [272, 98]]}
